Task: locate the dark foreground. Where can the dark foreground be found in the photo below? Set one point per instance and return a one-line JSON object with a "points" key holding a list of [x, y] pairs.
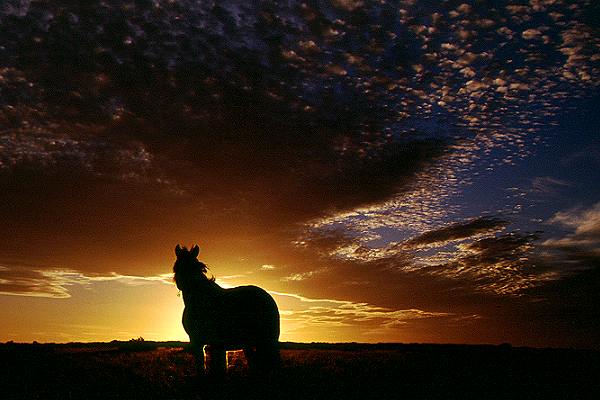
{"points": [[148, 370]]}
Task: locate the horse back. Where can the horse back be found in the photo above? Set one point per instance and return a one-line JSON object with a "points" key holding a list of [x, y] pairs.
{"points": [[252, 309], [236, 317]]}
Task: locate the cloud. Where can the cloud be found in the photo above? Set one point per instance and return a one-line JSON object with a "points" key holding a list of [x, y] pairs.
{"points": [[300, 312], [349, 5], [583, 240], [457, 231], [531, 33], [475, 255], [501, 264], [303, 275], [546, 185], [255, 124], [514, 263], [585, 221], [55, 283], [194, 107], [35, 283], [204, 102]]}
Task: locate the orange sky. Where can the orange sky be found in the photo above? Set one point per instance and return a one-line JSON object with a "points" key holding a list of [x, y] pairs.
{"points": [[319, 300]]}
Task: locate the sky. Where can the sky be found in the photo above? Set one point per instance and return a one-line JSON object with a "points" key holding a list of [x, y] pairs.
{"points": [[390, 171]]}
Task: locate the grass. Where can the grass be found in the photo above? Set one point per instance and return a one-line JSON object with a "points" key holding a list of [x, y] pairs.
{"points": [[151, 370]]}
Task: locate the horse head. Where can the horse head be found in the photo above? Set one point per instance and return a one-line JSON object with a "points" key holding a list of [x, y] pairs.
{"points": [[187, 269]]}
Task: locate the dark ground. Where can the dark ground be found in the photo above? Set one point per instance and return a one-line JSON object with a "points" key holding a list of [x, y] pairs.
{"points": [[151, 370]]}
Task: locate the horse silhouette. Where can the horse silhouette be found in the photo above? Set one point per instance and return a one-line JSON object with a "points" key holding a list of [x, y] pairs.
{"points": [[217, 319]]}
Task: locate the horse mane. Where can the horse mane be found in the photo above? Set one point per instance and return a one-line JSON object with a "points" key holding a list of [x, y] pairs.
{"points": [[205, 269]]}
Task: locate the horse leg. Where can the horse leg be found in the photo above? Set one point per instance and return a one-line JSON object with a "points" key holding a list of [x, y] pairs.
{"points": [[274, 356], [250, 354], [264, 366], [198, 353], [215, 360], [267, 356]]}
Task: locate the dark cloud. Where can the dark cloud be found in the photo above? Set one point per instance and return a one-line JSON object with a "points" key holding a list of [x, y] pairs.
{"points": [[232, 100], [472, 255], [202, 98], [475, 255], [489, 251], [459, 230], [501, 264]]}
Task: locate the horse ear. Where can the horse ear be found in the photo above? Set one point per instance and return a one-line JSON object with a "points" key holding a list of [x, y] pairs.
{"points": [[195, 251], [178, 250]]}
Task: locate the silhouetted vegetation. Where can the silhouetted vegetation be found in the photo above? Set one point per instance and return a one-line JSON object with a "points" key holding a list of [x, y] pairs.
{"points": [[139, 369]]}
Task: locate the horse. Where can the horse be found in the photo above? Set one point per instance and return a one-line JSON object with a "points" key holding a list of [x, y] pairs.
{"points": [[218, 319]]}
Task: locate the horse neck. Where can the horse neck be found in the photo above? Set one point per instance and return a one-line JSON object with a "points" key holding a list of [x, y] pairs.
{"points": [[201, 289]]}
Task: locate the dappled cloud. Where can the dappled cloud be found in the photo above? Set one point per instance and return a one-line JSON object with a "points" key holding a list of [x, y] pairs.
{"points": [[353, 104]]}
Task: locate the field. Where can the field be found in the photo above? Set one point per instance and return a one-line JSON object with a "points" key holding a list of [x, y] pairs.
{"points": [[154, 370]]}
